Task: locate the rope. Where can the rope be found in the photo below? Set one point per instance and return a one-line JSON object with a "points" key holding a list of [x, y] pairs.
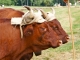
{"points": [[21, 31], [72, 38]]}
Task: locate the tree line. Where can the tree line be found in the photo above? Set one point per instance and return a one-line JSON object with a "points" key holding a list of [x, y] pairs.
{"points": [[34, 2]]}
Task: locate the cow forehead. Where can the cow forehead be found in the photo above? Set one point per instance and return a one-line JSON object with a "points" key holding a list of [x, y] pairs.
{"points": [[44, 27], [40, 26], [55, 22]]}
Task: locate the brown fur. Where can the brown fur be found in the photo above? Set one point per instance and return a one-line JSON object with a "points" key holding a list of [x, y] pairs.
{"points": [[8, 13], [13, 47], [56, 26], [27, 56], [5, 16]]}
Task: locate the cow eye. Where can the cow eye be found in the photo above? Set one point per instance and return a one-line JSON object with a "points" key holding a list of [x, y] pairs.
{"points": [[43, 30], [55, 27]]}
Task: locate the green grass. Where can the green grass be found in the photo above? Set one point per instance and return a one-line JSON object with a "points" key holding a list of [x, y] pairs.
{"points": [[65, 51], [68, 47]]}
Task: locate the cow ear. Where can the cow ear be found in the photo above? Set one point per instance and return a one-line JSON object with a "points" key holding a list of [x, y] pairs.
{"points": [[28, 30]]}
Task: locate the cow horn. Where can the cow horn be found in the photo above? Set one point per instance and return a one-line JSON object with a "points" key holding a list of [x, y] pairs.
{"points": [[30, 11], [53, 11], [39, 12], [27, 7], [44, 14]]}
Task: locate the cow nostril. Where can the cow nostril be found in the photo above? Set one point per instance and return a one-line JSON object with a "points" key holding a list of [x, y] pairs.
{"points": [[67, 37], [60, 42]]}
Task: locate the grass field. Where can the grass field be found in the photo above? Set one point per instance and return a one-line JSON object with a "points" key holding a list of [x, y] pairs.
{"points": [[65, 51]]}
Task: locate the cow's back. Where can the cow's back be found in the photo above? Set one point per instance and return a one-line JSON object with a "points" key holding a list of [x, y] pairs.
{"points": [[9, 13]]}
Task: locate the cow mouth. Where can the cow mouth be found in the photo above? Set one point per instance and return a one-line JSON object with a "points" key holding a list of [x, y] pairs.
{"points": [[58, 44]]}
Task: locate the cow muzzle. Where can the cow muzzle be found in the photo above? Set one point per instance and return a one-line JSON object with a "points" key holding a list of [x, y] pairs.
{"points": [[66, 39], [60, 42]]}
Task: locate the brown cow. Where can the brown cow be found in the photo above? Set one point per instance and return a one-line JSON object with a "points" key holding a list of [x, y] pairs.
{"points": [[37, 37], [18, 12], [8, 13]]}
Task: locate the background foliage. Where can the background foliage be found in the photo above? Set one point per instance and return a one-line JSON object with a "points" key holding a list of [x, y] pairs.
{"points": [[33, 2]]}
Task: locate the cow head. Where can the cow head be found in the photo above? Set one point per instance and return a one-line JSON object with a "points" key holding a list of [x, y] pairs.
{"points": [[56, 26], [42, 37]]}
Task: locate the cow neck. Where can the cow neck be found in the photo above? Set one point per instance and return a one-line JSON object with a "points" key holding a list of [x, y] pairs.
{"points": [[5, 18], [2, 20]]}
